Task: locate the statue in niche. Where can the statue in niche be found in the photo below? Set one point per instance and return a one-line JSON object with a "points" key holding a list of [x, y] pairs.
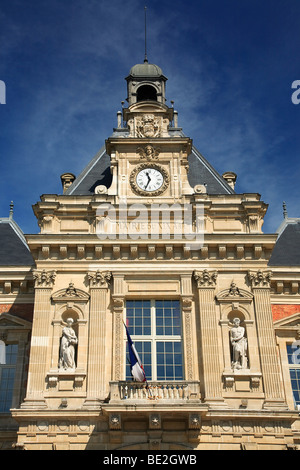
{"points": [[67, 346], [239, 345]]}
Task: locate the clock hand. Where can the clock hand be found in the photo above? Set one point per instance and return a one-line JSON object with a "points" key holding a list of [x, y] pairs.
{"points": [[149, 179]]}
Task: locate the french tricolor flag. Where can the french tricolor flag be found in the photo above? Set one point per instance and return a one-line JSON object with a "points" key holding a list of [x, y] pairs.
{"points": [[137, 369]]}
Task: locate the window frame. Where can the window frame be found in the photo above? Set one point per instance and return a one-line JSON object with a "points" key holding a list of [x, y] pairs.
{"points": [[296, 367], [13, 366], [155, 338]]}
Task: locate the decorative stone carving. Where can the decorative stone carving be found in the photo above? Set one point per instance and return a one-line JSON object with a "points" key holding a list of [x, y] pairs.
{"points": [[44, 278], [67, 347], [200, 189], [234, 291], [239, 345], [70, 294], [148, 153], [229, 382], [206, 278], [154, 421], [194, 421], [260, 278], [118, 303], [71, 291], [115, 422], [148, 126], [99, 279], [101, 189], [255, 382]]}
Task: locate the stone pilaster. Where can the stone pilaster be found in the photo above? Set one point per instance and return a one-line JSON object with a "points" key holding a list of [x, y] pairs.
{"points": [[96, 384], [40, 342], [273, 387], [118, 327], [212, 379], [186, 307]]}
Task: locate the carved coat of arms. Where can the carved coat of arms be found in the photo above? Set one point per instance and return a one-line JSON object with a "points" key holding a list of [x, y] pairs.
{"points": [[148, 126]]}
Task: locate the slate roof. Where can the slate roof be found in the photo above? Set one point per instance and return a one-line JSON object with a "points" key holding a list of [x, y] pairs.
{"points": [[287, 248], [13, 247], [98, 172]]}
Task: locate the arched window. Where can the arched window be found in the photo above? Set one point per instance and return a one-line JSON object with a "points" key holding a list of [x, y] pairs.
{"points": [[146, 93]]}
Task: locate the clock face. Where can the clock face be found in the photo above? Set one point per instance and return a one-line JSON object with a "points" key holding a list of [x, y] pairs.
{"points": [[149, 179]]}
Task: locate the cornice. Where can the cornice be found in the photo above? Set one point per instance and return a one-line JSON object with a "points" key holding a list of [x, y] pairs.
{"points": [[88, 247]]}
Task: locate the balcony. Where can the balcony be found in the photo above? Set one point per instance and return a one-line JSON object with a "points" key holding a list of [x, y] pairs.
{"points": [[160, 392]]}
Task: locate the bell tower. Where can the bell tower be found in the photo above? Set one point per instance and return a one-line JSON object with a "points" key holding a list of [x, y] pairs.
{"points": [[150, 161], [146, 82]]}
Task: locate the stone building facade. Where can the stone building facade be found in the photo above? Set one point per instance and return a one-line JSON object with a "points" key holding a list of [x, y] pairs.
{"points": [[151, 236]]}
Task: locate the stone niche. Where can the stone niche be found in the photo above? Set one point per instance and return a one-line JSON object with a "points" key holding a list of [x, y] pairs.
{"points": [[240, 347], [70, 313]]}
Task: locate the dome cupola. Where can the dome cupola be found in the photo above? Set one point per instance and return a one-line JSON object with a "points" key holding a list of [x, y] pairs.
{"points": [[146, 82]]}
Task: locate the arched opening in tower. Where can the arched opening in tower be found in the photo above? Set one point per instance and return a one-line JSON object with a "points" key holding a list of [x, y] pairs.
{"points": [[146, 93]]}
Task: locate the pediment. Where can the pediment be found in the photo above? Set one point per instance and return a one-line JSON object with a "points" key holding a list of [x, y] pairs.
{"points": [[293, 321], [234, 294], [71, 293], [11, 321]]}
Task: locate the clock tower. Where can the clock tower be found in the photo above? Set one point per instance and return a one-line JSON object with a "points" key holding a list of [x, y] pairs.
{"points": [[152, 160]]}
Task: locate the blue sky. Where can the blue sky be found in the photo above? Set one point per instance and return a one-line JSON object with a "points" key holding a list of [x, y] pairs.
{"points": [[230, 66]]}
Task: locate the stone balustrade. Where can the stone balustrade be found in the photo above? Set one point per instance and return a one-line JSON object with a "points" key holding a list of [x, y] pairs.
{"points": [[177, 391]]}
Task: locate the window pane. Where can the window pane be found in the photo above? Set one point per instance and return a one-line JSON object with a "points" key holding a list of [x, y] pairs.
{"points": [[295, 381], [168, 318], [11, 353], [169, 361], [138, 314], [7, 376], [293, 352]]}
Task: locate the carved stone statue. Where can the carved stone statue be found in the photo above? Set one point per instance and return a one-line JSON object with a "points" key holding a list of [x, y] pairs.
{"points": [[67, 346], [234, 291], [239, 345], [71, 291]]}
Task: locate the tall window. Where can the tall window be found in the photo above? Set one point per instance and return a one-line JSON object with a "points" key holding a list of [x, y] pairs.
{"points": [[293, 360], [155, 328], [7, 377]]}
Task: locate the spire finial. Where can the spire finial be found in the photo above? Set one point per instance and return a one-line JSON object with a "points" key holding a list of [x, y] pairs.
{"points": [[146, 58], [285, 213], [11, 210]]}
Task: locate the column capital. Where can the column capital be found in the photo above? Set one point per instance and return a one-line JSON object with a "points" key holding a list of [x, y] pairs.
{"points": [[206, 278], [260, 279], [44, 279], [99, 279]]}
